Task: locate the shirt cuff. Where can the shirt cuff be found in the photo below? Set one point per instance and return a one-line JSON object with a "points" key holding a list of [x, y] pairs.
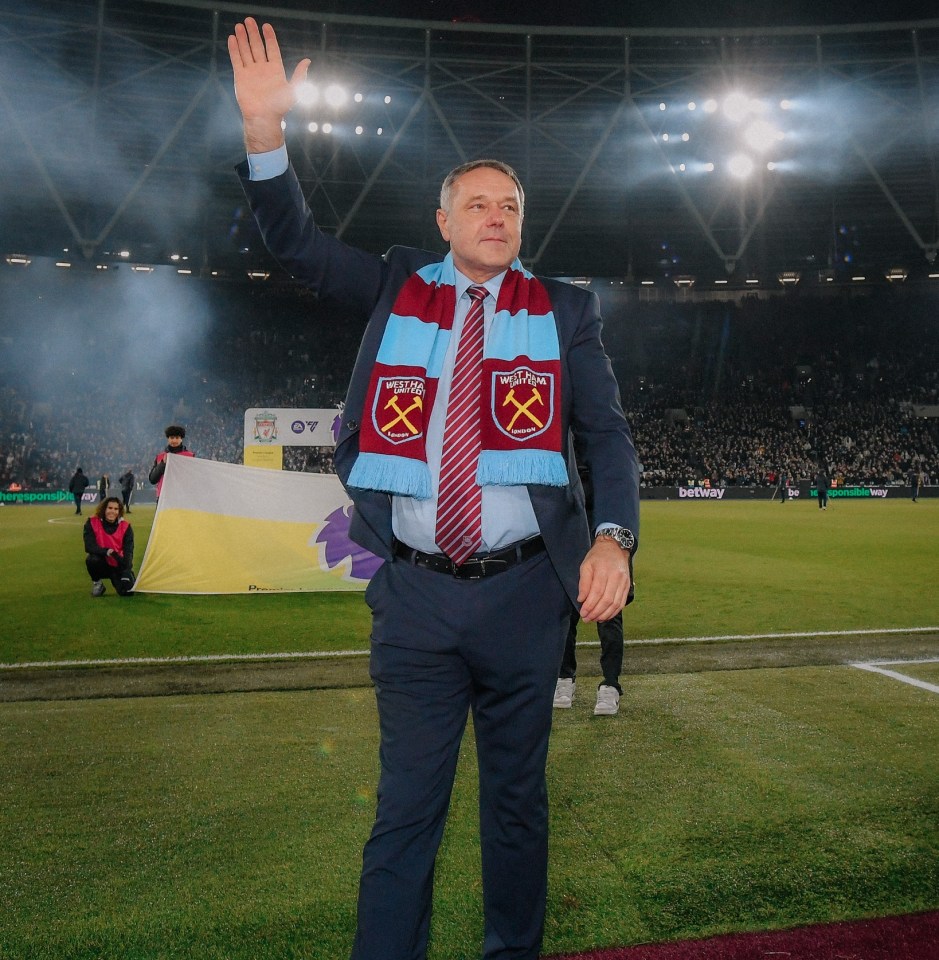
{"points": [[266, 166]]}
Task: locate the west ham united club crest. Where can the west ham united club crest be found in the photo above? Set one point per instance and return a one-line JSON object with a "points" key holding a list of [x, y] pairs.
{"points": [[522, 402], [398, 413]]}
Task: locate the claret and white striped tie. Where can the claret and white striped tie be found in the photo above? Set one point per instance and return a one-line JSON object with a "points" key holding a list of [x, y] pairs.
{"points": [[459, 498]]}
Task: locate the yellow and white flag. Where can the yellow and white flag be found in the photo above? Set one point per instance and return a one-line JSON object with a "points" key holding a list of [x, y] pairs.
{"points": [[225, 528]]}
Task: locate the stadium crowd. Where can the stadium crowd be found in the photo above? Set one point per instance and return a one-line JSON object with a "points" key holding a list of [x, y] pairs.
{"points": [[720, 393]]}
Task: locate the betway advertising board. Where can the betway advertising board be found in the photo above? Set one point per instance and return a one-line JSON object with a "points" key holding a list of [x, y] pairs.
{"points": [[803, 492]]}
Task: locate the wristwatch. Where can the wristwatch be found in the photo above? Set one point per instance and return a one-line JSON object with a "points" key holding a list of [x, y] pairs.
{"points": [[622, 535]]}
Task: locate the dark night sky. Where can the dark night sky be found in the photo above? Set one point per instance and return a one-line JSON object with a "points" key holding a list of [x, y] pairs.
{"points": [[656, 13]]}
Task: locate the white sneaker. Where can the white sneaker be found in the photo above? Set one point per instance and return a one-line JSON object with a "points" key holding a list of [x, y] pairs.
{"points": [[607, 701], [564, 693], [98, 589]]}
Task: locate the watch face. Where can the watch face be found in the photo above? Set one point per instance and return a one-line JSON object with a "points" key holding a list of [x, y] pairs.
{"points": [[621, 535]]}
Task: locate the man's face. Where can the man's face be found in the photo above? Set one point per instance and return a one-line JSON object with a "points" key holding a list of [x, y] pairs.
{"points": [[175, 441], [111, 512], [484, 223]]}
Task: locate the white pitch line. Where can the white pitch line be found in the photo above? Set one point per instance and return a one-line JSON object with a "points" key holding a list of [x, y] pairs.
{"points": [[902, 677], [199, 658], [322, 655]]}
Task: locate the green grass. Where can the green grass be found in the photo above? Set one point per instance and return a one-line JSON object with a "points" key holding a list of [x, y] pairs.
{"points": [[703, 569], [184, 827], [230, 826]]}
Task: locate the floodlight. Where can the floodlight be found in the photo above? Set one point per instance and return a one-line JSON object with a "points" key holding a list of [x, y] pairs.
{"points": [[358, 131], [895, 274], [327, 128], [788, 277], [358, 98], [761, 135], [379, 131], [710, 105], [307, 93], [312, 127], [709, 167], [684, 281], [63, 263], [740, 165], [692, 105], [335, 95], [387, 99], [686, 137], [18, 260], [681, 167], [785, 104], [665, 138], [736, 106], [662, 107]]}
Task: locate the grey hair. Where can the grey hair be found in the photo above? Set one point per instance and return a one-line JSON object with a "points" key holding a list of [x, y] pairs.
{"points": [[446, 188]]}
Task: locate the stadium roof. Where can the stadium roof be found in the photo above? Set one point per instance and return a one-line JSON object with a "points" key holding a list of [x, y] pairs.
{"points": [[120, 133]]}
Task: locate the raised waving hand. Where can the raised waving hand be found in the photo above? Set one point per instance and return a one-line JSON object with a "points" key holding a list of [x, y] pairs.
{"points": [[264, 94]]}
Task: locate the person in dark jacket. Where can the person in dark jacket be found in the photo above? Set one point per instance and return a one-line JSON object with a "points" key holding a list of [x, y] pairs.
{"points": [[109, 549], [104, 484], [126, 480], [822, 484], [77, 486], [175, 435]]}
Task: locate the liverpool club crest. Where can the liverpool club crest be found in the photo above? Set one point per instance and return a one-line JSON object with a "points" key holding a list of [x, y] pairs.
{"points": [[265, 427]]}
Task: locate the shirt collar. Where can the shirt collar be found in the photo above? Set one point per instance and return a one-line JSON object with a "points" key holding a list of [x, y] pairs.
{"points": [[493, 284]]}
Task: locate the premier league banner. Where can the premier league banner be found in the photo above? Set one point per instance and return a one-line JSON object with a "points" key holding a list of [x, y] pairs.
{"points": [[225, 528]]}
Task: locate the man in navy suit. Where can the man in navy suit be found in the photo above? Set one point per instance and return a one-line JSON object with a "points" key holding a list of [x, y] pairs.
{"points": [[452, 634]]}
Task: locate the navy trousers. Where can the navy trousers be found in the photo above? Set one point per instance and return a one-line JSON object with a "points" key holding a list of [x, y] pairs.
{"points": [[442, 648]]}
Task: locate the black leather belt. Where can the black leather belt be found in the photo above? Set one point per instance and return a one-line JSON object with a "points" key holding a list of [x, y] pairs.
{"points": [[483, 565]]}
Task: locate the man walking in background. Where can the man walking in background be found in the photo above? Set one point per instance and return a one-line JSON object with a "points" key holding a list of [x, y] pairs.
{"points": [[77, 486], [821, 486], [126, 480]]}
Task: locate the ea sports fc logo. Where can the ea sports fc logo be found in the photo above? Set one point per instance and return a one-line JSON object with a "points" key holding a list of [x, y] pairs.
{"points": [[398, 410], [522, 402]]}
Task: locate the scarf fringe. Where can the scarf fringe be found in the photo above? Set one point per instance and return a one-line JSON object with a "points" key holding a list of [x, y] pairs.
{"points": [[390, 474], [510, 468]]}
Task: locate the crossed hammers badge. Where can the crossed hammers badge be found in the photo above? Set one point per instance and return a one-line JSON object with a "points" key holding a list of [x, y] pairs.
{"points": [[526, 404], [398, 410]]}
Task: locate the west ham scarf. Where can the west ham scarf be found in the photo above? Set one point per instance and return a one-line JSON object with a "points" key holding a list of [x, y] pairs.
{"points": [[521, 388]]}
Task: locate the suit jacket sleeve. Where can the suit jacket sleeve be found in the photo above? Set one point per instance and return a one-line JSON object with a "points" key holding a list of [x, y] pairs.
{"points": [[598, 420], [332, 269]]}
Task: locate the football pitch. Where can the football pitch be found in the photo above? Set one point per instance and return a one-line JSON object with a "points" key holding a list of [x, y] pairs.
{"points": [[193, 777]]}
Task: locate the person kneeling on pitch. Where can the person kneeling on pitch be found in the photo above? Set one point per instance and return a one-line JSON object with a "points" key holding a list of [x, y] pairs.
{"points": [[109, 549]]}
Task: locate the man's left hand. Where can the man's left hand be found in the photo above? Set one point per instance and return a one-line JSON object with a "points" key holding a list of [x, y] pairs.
{"points": [[604, 581]]}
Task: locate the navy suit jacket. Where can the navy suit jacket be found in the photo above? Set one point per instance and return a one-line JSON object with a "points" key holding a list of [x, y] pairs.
{"points": [[367, 285]]}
